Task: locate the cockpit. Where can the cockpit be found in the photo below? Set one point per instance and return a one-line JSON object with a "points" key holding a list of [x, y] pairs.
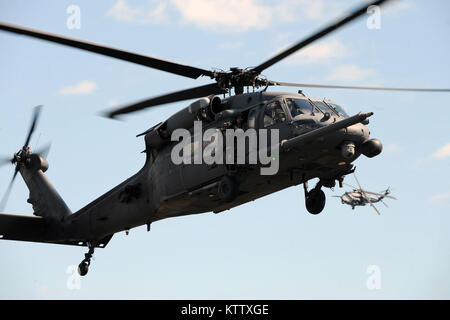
{"points": [[298, 106], [340, 110]]}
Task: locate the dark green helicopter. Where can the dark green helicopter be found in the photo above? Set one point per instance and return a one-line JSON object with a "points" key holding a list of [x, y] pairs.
{"points": [[314, 139]]}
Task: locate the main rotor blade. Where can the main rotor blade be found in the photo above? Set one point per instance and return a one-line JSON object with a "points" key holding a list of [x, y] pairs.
{"points": [[373, 206], [381, 195], [197, 92], [36, 112], [359, 185], [163, 65], [309, 85], [349, 185], [321, 33], [8, 190]]}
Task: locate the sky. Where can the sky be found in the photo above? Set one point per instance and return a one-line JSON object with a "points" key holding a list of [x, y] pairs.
{"points": [[270, 248]]}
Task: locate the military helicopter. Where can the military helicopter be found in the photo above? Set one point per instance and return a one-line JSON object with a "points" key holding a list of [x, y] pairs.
{"points": [[315, 139], [361, 197]]}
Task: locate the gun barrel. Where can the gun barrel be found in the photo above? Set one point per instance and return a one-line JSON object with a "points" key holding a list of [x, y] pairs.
{"points": [[314, 134]]}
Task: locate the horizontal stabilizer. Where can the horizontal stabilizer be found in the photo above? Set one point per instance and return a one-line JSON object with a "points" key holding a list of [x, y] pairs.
{"points": [[37, 229]]}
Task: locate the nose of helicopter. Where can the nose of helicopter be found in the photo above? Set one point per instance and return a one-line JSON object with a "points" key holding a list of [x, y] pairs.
{"points": [[357, 133]]}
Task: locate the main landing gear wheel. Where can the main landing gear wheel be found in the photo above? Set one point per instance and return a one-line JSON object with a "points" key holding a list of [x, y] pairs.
{"points": [[228, 189], [83, 267], [315, 201]]}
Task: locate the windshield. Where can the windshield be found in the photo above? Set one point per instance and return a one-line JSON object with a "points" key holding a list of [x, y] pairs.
{"points": [[323, 107], [298, 106], [339, 109]]}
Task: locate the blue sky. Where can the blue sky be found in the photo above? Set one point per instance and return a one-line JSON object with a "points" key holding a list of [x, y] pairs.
{"points": [[270, 248]]}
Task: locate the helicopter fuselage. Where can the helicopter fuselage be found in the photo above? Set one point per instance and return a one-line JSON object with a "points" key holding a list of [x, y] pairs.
{"points": [[356, 198], [162, 189]]}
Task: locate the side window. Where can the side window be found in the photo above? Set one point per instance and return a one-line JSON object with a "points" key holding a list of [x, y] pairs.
{"points": [[273, 113], [293, 108], [298, 106]]}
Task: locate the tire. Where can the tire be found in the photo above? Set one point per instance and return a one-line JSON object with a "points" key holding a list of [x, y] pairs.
{"points": [[83, 268], [315, 201], [228, 189]]}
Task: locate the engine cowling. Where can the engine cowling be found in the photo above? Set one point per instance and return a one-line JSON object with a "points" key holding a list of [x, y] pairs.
{"points": [[207, 107], [202, 109]]}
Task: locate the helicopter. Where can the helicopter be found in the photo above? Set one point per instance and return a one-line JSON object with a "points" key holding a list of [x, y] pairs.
{"points": [[361, 197], [314, 139]]}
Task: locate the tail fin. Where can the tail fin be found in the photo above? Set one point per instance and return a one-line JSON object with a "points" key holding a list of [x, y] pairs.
{"points": [[44, 198]]}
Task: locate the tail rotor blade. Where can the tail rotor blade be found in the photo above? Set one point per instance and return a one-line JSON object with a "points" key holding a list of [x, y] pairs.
{"points": [[8, 190], [36, 112], [4, 161], [43, 151]]}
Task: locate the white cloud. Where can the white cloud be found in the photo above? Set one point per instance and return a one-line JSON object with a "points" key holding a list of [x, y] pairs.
{"points": [[113, 103], [231, 45], [398, 6], [393, 147], [43, 291], [443, 152], [350, 73], [219, 15], [439, 197], [314, 9], [82, 87], [123, 12], [237, 15], [323, 52]]}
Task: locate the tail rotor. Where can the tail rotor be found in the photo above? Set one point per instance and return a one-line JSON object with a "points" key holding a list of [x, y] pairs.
{"points": [[21, 157]]}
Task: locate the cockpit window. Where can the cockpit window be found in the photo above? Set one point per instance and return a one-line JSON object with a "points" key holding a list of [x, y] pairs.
{"points": [[339, 109], [298, 106], [323, 107]]}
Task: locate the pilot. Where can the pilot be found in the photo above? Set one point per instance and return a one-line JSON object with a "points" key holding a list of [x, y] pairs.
{"points": [[238, 122], [292, 108]]}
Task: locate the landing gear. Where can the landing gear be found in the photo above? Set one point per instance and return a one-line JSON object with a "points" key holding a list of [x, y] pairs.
{"points": [[228, 189], [83, 267], [314, 199]]}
